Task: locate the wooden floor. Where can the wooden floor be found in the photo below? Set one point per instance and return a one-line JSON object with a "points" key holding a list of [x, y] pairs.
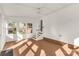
{"points": [[45, 47]]}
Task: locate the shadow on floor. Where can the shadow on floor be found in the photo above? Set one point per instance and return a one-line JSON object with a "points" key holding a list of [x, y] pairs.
{"points": [[45, 48]]}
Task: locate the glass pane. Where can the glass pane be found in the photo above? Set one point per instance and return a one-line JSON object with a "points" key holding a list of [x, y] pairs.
{"points": [[22, 28], [12, 28], [29, 28]]}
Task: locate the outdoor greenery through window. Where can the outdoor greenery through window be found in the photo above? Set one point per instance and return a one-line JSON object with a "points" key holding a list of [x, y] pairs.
{"points": [[12, 28]]}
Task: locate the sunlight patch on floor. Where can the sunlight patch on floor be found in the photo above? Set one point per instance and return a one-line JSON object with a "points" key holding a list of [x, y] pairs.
{"points": [[35, 48], [30, 53], [22, 49], [29, 43], [59, 52], [74, 54], [68, 50], [42, 53], [76, 46], [18, 44], [77, 50]]}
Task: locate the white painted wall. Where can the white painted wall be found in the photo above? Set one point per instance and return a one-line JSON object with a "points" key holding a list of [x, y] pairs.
{"points": [[64, 22], [3, 31]]}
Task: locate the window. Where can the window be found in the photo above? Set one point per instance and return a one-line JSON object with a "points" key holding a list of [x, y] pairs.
{"points": [[12, 28], [22, 28], [29, 27]]}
